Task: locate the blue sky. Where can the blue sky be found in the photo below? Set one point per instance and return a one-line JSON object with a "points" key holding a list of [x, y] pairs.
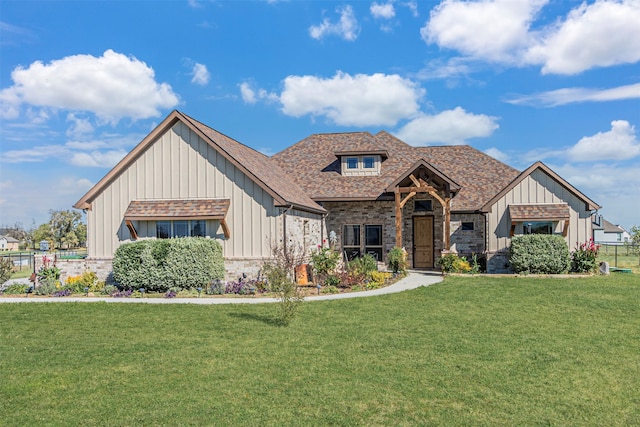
{"points": [[81, 83]]}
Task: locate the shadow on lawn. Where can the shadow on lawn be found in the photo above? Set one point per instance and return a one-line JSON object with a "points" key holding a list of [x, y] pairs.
{"points": [[268, 320]]}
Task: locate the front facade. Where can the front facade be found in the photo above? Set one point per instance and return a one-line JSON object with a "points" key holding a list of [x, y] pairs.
{"points": [[361, 193]]}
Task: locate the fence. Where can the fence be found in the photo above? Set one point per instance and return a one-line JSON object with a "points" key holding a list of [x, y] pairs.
{"points": [[622, 255], [24, 260]]}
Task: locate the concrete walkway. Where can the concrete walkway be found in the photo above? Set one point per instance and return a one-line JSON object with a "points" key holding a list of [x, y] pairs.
{"points": [[414, 280]]}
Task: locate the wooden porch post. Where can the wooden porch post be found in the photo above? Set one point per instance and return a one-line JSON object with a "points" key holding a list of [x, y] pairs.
{"points": [[398, 218], [447, 224]]}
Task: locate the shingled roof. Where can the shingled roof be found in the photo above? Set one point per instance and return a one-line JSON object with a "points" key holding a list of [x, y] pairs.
{"points": [[312, 163]]}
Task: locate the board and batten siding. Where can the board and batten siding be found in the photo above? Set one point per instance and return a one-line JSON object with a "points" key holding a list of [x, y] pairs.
{"points": [[537, 188], [181, 165]]}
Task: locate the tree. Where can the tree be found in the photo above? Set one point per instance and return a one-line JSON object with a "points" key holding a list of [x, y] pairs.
{"points": [[635, 235], [43, 232], [64, 225]]}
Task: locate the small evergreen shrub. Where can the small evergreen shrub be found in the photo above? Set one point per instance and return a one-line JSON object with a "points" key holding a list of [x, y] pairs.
{"points": [[539, 254], [158, 265]]}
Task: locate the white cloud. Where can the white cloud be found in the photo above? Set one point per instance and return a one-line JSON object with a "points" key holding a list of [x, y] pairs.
{"points": [[490, 30], [200, 74], [448, 127], [620, 143], [615, 186], [98, 159], [577, 94], [360, 100], [453, 68], [412, 5], [601, 34], [79, 126], [347, 27], [497, 154], [382, 10], [247, 93], [35, 154], [251, 96], [112, 86]]}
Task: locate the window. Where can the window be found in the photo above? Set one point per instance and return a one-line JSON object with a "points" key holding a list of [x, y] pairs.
{"points": [[467, 226], [180, 229], [366, 165], [373, 241], [198, 228], [351, 241], [368, 162], [537, 228], [163, 229], [168, 229], [422, 206]]}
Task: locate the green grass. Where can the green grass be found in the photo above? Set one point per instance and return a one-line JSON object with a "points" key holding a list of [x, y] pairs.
{"points": [[468, 351]]}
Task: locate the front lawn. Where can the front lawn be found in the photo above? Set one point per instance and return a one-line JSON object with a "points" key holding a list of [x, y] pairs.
{"points": [[468, 351]]}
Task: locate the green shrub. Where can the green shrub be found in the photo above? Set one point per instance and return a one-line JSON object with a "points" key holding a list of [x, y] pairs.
{"points": [[16, 289], [6, 268], [397, 260], [332, 280], [452, 263], [47, 287], [365, 265], [158, 265], [539, 254]]}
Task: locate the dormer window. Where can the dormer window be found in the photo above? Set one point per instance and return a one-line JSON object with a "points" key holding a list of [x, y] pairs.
{"points": [[365, 165], [369, 162]]}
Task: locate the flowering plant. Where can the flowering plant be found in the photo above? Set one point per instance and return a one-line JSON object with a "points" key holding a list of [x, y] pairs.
{"points": [[583, 259], [48, 272]]}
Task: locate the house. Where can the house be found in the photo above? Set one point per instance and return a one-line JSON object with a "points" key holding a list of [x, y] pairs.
{"points": [[607, 233], [373, 192], [8, 243]]}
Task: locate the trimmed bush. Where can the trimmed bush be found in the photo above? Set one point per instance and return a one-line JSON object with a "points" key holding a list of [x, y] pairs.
{"points": [[539, 254], [158, 265]]}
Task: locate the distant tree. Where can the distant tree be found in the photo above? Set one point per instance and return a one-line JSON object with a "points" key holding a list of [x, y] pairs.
{"points": [[635, 235], [64, 225], [81, 233], [43, 232]]}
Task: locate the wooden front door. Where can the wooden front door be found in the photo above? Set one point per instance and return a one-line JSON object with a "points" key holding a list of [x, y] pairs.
{"points": [[423, 242]]}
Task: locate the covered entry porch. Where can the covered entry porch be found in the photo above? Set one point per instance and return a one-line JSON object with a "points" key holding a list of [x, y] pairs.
{"points": [[422, 204]]}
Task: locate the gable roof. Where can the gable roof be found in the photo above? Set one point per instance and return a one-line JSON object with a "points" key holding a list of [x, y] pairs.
{"points": [[609, 227], [9, 239], [313, 165], [260, 168], [589, 204]]}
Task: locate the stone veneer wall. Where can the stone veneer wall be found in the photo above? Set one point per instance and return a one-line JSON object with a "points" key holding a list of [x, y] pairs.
{"points": [[383, 213], [465, 242]]}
